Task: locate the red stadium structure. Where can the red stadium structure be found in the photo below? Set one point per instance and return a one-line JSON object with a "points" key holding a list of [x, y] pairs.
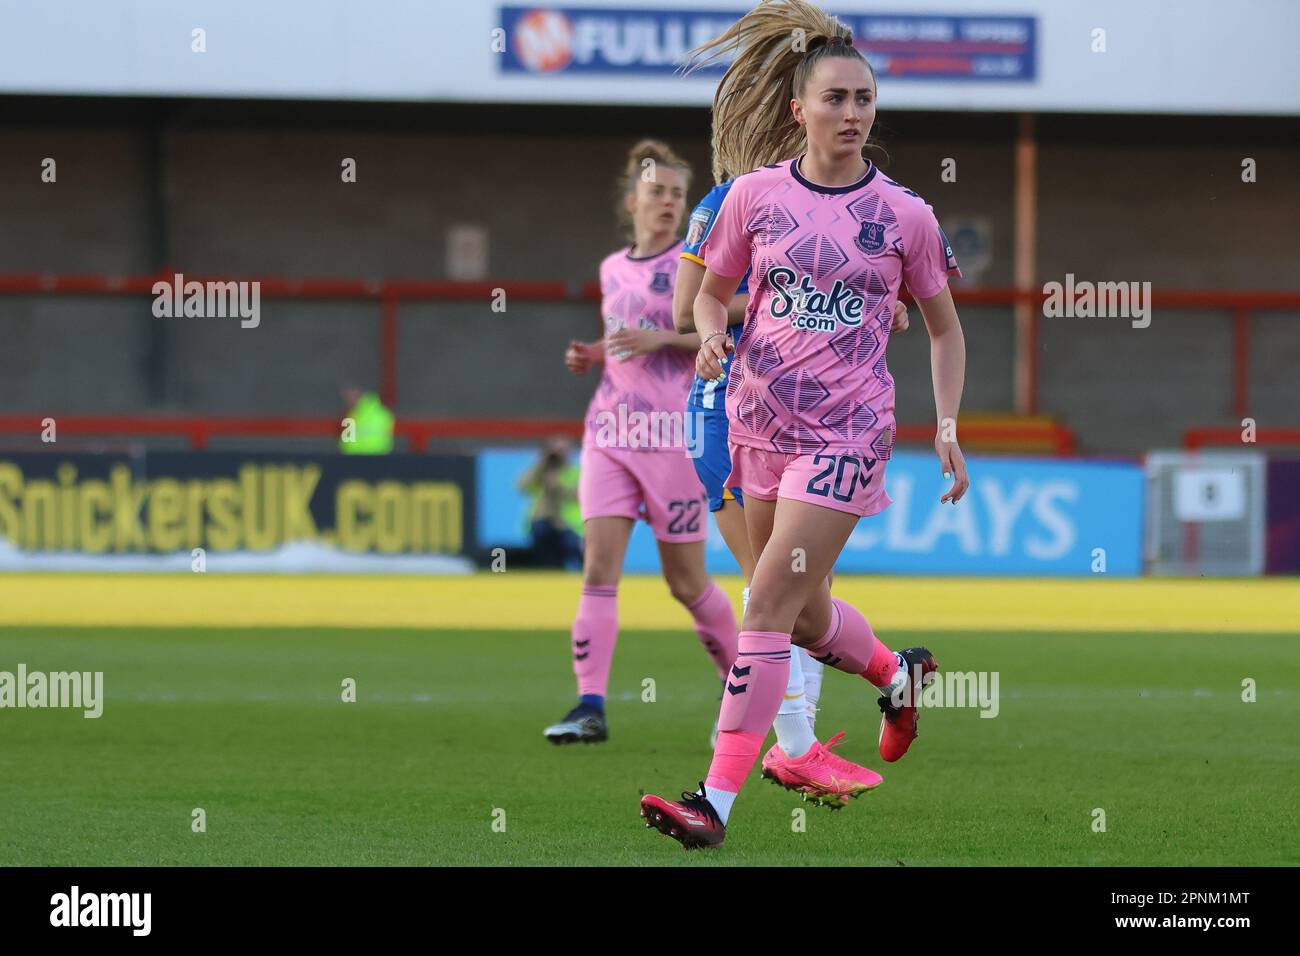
{"points": [[1011, 433]]}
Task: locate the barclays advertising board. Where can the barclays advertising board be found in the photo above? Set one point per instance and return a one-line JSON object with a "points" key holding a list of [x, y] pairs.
{"points": [[631, 41], [1022, 516]]}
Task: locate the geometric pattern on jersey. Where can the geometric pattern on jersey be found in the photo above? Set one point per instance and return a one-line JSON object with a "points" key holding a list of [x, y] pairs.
{"points": [[851, 420], [796, 438], [881, 371], [666, 364], [754, 412], [886, 321], [629, 303], [855, 346], [760, 262], [798, 391], [772, 222], [605, 391], [735, 377], [900, 186], [638, 403], [869, 284], [884, 442], [819, 255], [762, 355]]}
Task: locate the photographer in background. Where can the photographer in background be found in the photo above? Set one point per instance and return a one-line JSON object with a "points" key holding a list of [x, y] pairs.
{"points": [[555, 521]]}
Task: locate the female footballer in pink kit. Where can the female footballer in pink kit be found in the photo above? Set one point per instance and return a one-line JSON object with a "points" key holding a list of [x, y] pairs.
{"points": [[810, 401], [628, 468], [798, 760]]}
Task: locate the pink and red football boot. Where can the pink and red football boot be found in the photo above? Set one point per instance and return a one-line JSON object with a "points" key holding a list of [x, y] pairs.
{"points": [[898, 712], [821, 776], [691, 821]]}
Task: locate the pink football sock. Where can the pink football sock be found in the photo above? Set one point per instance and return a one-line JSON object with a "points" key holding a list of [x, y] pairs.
{"points": [[850, 645], [595, 630], [750, 701], [715, 623], [733, 758]]}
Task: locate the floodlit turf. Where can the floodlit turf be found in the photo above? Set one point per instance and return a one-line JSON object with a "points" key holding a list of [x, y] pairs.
{"points": [[248, 725]]}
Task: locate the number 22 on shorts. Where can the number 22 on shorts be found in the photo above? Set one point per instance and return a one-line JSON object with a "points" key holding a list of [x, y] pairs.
{"points": [[687, 511]]}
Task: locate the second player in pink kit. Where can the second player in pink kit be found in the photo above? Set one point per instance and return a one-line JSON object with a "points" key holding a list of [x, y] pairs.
{"points": [[626, 464], [829, 241], [637, 442]]}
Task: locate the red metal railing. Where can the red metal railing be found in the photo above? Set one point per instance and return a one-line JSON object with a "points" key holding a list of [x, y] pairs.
{"points": [[199, 431], [389, 294], [1195, 438]]}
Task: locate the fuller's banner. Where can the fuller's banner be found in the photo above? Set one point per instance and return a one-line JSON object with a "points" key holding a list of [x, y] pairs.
{"points": [[621, 40], [235, 511], [1104, 56]]}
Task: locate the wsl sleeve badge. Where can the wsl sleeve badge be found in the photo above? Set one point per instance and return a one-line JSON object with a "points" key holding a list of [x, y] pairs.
{"points": [[698, 228]]}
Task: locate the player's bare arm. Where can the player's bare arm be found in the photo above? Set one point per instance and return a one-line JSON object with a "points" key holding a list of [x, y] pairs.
{"points": [[627, 343], [948, 369], [711, 322], [580, 356], [689, 277]]}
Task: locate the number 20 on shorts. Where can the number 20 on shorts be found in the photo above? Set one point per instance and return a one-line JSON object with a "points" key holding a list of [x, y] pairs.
{"points": [[849, 471]]}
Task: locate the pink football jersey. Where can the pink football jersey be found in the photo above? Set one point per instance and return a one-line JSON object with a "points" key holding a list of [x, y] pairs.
{"points": [[828, 264], [638, 293]]}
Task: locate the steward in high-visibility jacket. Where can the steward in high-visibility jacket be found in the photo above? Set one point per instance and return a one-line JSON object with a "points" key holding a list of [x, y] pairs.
{"points": [[372, 430]]}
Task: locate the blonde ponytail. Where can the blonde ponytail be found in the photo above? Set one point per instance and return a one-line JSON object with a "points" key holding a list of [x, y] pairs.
{"points": [[775, 47]]}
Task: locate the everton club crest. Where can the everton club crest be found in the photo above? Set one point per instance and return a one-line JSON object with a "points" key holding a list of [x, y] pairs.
{"points": [[871, 238]]}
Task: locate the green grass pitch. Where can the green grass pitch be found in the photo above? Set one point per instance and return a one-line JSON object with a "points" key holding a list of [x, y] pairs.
{"points": [[445, 738]]}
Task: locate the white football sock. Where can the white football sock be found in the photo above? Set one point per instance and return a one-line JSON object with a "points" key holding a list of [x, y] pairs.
{"points": [[813, 670], [721, 800], [793, 731], [744, 601]]}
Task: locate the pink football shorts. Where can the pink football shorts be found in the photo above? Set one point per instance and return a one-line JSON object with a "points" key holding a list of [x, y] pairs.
{"points": [[660, 487], [851, 483]]}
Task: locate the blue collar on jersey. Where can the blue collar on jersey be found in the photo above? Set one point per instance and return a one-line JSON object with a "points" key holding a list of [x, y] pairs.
{"points": [[833, 190]]}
